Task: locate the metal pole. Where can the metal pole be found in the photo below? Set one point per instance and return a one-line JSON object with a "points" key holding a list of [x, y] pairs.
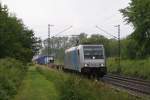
{"points": [[48, 53], [49, 47], [119, 51], [106, 32]]}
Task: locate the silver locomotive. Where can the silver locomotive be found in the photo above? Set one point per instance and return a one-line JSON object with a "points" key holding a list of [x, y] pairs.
{"points": [[86, 59]]}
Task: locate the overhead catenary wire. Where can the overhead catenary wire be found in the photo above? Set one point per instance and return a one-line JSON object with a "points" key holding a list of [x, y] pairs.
{"points": [[62, 31], [106, 32], [57, 35]]}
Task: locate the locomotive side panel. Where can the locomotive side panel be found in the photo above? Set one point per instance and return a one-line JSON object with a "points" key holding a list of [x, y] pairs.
{"points": [[72, 60]]}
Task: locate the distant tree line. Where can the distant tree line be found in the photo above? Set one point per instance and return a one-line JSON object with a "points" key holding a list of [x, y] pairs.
{"points": [[16, 40]]}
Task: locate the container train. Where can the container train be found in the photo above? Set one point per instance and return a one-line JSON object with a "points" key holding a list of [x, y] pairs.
{"points": [[86, 59]]}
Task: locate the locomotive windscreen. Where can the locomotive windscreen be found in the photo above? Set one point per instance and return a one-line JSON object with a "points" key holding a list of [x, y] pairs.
{"points": [[93, 52]]}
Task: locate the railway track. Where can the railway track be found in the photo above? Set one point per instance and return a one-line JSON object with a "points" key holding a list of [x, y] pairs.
{"points": [[136, 85]]}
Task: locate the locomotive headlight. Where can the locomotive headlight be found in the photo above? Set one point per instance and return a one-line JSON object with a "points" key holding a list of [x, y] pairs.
{"points": [[102, 65], [85, 65]]}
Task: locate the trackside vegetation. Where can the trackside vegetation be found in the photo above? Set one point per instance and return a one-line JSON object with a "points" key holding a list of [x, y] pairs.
{"points": [[74, 87], [134, 68], [12, 73]]}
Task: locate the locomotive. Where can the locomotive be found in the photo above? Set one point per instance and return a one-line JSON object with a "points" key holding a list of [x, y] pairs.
{"points": [[86, 59]]}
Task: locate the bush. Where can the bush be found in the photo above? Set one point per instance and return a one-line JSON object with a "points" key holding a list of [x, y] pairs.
{"points": [[135, 68], [11, 74]]}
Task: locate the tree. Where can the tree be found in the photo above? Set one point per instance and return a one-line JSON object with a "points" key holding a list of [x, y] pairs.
{"points": [[138, 14], [16, 40]]}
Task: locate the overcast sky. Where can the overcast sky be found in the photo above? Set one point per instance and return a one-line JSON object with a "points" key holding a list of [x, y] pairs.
{"points": [[83, 15]]}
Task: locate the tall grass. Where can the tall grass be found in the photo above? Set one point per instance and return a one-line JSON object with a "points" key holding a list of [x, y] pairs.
{"points": [[135, 68], [11, 74], [73, 87]]}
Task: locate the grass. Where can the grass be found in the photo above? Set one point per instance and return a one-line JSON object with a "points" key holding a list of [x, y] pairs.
{"points": [[135, 68], [36, 87]]}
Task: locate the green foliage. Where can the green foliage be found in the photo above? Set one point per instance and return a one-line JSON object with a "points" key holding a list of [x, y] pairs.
{"points": [[11, 75], [16, 40], [138, 14], [112, 48], [128, 48], [135, 68]]}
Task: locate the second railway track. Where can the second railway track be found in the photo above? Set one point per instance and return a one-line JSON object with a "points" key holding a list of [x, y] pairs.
{"points": [[133, 84]]}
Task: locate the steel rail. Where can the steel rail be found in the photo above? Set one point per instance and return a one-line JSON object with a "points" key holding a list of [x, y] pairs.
{"points": [[133, 84]]}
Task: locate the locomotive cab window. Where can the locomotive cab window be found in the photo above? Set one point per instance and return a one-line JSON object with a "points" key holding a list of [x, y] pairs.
{"points": [[93, 52]]}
